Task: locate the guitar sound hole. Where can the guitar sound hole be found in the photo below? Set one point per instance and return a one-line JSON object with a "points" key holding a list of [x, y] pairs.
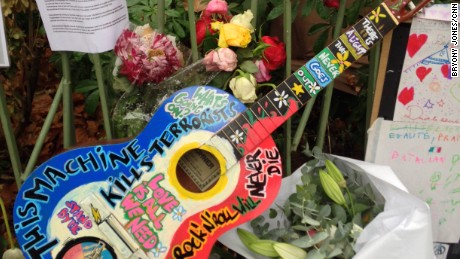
{"points": [[198, 170]]}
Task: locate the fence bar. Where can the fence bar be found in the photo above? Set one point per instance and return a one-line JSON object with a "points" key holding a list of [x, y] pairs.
{"points": [[330, 88], [161, 16], [10, 138], [67, 101], [288, 42], [192, 24], [46, 127], [103, 95]]}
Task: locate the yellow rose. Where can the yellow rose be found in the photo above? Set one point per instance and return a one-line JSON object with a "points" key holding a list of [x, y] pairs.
{"points": [[244, 20], [234, 35]]}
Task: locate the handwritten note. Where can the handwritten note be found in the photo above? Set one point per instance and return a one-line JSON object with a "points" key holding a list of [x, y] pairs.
{"points": [[426, 158], [85, 26], [427, 92]]}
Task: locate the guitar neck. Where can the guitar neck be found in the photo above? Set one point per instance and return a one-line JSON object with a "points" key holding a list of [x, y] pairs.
{"points": [[254, 125]]}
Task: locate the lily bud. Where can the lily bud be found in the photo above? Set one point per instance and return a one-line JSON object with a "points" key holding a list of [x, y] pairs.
{"points": [[331, 188]]}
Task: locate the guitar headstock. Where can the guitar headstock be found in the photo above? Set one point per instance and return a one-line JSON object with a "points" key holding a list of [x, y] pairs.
{"points": [[404, 10]]}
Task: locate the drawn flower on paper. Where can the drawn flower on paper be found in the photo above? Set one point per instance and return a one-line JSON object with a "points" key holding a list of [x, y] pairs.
{"points": [[281, 98], [178, 213], [237, 137], [376, 15], [159, 249], [313, 88], [342, 61]]}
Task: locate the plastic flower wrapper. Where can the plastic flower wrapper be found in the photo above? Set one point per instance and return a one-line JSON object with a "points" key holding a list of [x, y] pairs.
{"points": [[135, 107]]}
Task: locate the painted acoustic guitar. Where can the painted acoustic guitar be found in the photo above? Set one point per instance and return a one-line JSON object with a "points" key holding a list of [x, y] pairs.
{"points": [[204, 164]]}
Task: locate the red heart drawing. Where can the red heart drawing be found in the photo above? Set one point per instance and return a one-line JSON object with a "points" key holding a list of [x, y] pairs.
{"points": [[415, 43], [445, 70], [406, 95], [422, 72]]}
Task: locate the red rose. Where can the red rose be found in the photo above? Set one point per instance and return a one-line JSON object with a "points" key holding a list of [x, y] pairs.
{"points": [[274, 56], [332, 3]]}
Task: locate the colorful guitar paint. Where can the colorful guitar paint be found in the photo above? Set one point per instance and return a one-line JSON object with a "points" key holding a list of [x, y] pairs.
{"points": [[204, 164]]}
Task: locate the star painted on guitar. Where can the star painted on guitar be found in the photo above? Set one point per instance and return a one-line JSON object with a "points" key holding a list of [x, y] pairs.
{"points": [[298, 89]]}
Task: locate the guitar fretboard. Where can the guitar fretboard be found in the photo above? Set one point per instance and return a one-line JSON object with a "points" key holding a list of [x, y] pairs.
{"points": [[251, 127]]}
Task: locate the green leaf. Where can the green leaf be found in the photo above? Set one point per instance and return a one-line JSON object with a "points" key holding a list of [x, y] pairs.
{"points": [[308, 220], [249, 66], [318, 27], [353, 12], [323, 11], [121, 84], [308, 7], [307, 241], [178, 29], [273, 213], [315, 254], [91, 102], [324, 212], [339, 212], [336, 252], [172, 13], [275, 12], [321, 41], [86, 86]]}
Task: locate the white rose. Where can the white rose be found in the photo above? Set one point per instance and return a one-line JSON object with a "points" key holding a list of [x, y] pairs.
{"points": [[243, 88], [244, 20]]}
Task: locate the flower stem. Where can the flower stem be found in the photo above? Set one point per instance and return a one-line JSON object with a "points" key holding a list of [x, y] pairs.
{"points": [[328, 94], [7, 224]]}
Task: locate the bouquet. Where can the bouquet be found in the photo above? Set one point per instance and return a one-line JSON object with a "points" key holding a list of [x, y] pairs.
{"points": [[322, 219], [146, 56], [230, 46]]}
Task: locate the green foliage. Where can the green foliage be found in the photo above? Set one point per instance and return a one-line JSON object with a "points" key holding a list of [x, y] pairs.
{"points": [[146, 11]]}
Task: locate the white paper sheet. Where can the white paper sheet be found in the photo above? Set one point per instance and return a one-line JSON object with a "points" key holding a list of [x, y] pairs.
{"points": [[90, 26], [426, 158]]}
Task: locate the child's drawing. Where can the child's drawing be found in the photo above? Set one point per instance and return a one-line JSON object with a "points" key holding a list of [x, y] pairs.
{"points": [[426, 91]]}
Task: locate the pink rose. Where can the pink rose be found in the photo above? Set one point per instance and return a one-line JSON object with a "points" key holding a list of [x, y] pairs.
{"points": [[263, 74], [216, 7], [222, 59]]}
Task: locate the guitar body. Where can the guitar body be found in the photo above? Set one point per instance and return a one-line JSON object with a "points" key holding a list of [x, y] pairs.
{"points": [[168, 193]]}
